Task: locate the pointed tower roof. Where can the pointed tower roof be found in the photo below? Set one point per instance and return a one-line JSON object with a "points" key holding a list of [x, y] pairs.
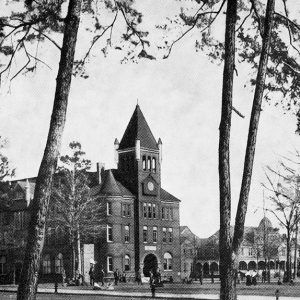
{"points": [[138, 128], [110, 186]]}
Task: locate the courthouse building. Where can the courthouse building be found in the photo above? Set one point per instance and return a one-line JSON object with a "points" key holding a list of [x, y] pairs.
{"points": [[141, 218]]}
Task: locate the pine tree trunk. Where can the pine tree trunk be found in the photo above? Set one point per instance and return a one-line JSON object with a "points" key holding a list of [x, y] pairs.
{"points": [[227, 288], [229, 251], [253, 128], [35, 242]]}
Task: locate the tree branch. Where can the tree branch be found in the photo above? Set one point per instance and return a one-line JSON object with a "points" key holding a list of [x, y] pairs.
{"points": [[198, 15], [48, 38]]}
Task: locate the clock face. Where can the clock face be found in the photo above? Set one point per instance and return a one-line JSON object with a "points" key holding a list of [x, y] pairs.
{"points": [[150, 186]]}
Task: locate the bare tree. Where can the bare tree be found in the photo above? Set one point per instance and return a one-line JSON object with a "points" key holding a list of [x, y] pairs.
{"points": [[73, 206], [283, 190]]}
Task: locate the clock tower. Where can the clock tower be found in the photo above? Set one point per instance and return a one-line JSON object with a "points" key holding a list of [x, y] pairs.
{"points": [[156, 212], [138, 156]]}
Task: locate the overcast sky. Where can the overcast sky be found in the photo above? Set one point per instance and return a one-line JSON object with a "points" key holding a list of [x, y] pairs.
{"points": [[180, 98]]}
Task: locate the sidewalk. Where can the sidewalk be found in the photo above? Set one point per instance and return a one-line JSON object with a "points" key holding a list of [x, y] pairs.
{"points": [[62, 291]]}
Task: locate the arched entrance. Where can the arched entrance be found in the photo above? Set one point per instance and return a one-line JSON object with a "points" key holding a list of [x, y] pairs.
{"points": [[198, 268], [214, 267], [252, 265], [206, 269], [150, 264], [243, 266]]}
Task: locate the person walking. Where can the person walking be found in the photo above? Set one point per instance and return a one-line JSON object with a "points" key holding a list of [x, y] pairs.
{"points": [[101, 276], [212, 276], [152, 284], [201, 276], [92, 275], [116, 276]]}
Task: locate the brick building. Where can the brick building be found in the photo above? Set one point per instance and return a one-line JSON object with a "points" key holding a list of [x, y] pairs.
{"points": [[140, 224], [142, 218]]}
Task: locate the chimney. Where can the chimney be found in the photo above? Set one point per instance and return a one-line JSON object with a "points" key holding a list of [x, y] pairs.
{"points": [[137, 149], [27, 192], [116, 143], [159, 144], [100, 171]]}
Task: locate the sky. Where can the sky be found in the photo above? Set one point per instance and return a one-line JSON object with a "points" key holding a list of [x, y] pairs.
{"points": [[180, 98]]}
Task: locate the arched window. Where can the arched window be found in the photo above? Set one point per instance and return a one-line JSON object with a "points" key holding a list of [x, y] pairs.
{"points": [[167, 261], [127, 263], [154, 164], [144, 163], [2, 265], [149, 163], [109, 264], [145, 234], [46, 264], [59, 263]]}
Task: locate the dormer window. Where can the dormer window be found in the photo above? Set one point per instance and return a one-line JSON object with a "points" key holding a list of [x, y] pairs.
{"points": [[149, 163], [144, 163]]}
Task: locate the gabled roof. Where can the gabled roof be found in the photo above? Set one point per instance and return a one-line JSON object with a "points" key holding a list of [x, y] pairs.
{"points": [[165, 196], [111, 187], [138, 128]]}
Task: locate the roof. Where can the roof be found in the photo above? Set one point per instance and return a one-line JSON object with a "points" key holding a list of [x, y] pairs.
{"points": [[111, 187], [138, 128], [165, 196], [265, 223]]}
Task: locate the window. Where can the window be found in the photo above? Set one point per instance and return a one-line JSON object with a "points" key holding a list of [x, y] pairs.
{"points": [[167, 213], [170, 230], [108, 208], [164, 234], [145, 234], [126, 233], [154, 211], [149, 210], [127, 263], [126, 211], [154, 164], [46, 264], [163, 213], [109, 264], [109, 233], [184, 267], [144, 163], [2, 265], [145, 209], [149, 163], [154, 234], [167, 261], [59, 264]]}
